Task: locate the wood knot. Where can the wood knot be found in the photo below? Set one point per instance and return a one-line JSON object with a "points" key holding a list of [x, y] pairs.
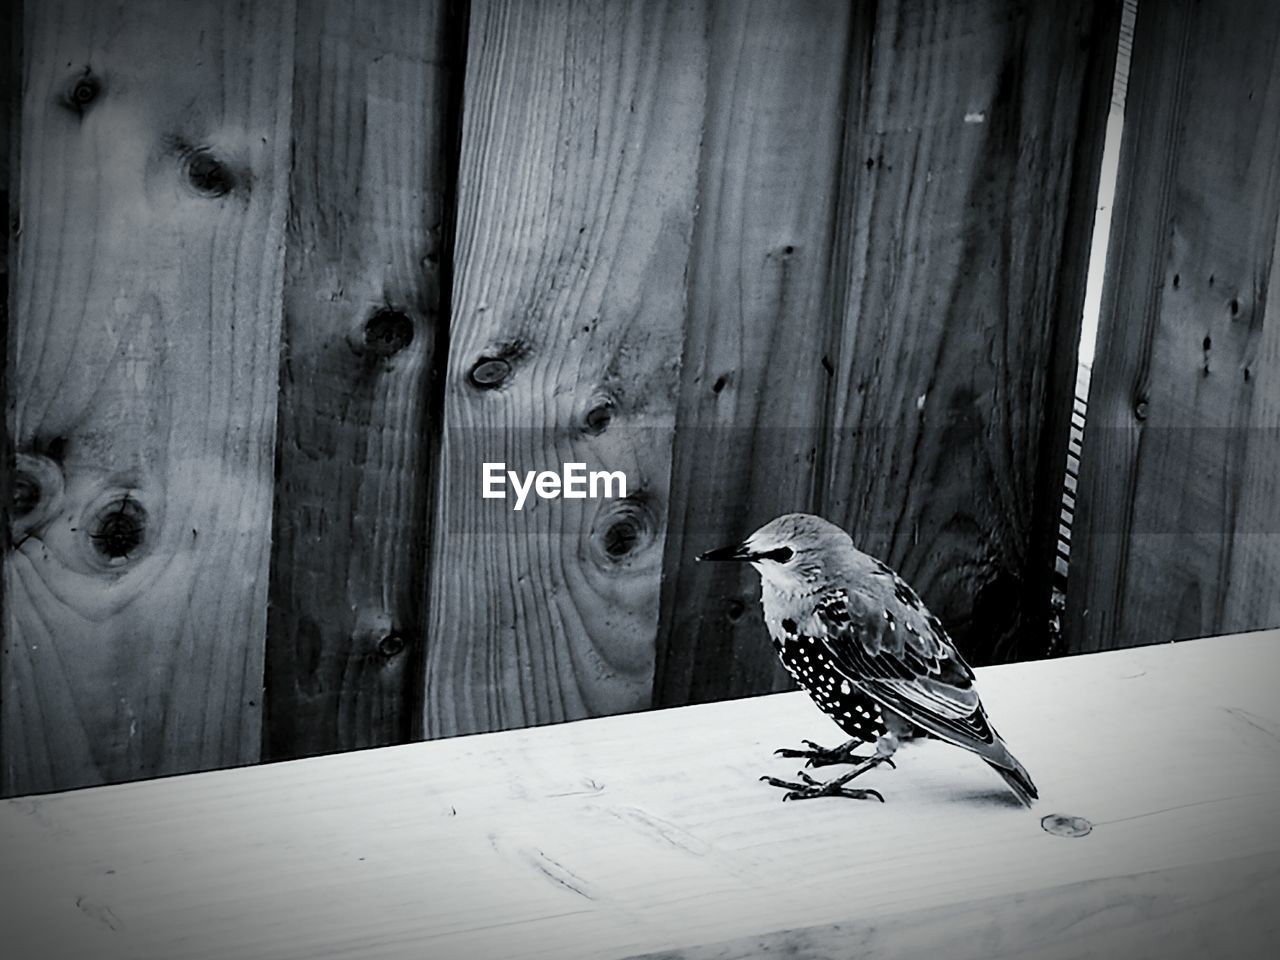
{"points": [[118, 529], [1065, 825], [598, 416], [734, 609], [375, 630], [36, 492], [387, 332], [26, 493], [1140, 410], [624, 528], [206, 174], [620, 537], [392, 645], [82, 92], [489, 373]]}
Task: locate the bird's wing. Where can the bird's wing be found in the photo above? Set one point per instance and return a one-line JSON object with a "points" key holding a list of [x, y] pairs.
{"points": [[901, 657]]}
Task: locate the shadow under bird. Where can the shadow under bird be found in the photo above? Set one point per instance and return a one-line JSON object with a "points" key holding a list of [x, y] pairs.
{"points": [[865, 648]]}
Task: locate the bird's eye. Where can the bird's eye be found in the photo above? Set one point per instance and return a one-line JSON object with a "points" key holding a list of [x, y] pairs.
{"points": [[781, 555]]}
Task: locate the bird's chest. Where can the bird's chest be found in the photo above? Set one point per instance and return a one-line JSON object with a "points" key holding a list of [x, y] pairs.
{"points": [[807, 660]]}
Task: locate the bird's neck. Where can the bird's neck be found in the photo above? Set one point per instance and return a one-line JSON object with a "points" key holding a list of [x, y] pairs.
{"points": [[787, 602]]}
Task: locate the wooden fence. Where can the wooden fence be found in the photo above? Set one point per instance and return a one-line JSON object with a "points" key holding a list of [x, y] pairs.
{"points": [[283, 276], [1177, 529]]}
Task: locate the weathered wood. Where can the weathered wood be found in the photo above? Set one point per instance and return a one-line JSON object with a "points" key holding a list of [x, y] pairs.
{"points": [[1178, 524], [577, 192], [974, 140], [753, 377], [143, 367], [634, 834], [10, 106], [10, 111], [363, 319]]}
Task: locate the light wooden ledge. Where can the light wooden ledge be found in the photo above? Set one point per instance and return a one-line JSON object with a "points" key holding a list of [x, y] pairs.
{"points": [[651, 833]]}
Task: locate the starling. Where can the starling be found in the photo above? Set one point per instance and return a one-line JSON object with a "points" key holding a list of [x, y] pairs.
{"points": [[864, 647]]}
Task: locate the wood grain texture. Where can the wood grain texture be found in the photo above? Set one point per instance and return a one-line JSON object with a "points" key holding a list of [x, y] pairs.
{"points": [[650, 832], [753, 378], [577, 192], [363, 319], [143, 363], [10, 111], [1178, 522], [10, 105], [1223, 909], [972, 152]]}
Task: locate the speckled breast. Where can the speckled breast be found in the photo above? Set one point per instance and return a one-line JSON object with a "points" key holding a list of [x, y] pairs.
{"points": [[857, 714]]}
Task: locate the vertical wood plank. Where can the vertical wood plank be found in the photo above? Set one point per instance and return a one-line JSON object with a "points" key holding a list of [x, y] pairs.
{"points": [[362, 313], [1178, 528], [143, 362], [1255, 546], [577, 192], [755, 370], [10, 111], [974, 140]]}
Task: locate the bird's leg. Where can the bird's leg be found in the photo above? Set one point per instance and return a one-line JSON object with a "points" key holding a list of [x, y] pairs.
{"points": [[809, 788], [819, 756]]}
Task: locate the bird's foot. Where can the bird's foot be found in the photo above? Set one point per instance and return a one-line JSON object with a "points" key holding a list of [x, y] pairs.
{"points": [[809, 788], [818, 756]]}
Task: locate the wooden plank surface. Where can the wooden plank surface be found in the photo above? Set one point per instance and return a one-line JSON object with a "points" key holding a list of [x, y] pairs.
{"points": [[973, 143], [1178, 520], [1222, 909], [363, 334], [650, 832], [753, 380], [576, 196], [143, 360]]}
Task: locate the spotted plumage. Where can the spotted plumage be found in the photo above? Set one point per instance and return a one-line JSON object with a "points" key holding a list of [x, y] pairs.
{"points": [[807, 660], [870, 654]]}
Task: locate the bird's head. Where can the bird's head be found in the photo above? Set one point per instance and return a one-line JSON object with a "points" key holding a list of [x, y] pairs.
{"points": [[794, 553]]}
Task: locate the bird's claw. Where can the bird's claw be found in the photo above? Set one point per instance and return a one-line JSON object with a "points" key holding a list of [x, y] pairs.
{"points": [[811, 750], [809, 789]]}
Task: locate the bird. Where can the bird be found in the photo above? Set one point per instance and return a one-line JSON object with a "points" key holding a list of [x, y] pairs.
{"points": [[860, 641]]}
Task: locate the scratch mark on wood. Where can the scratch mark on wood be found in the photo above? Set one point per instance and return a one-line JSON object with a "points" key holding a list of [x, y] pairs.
{"points": [[1185, 806], [1254, 721], [555, 871], [664, 830], [592, 788], [99, 912]]}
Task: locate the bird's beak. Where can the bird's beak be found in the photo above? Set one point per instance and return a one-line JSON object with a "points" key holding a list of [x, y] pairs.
{"points": [[738, 551]]}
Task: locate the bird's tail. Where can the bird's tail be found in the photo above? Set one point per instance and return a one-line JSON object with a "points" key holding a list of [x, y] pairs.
{"points": [[1016, 776]]}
